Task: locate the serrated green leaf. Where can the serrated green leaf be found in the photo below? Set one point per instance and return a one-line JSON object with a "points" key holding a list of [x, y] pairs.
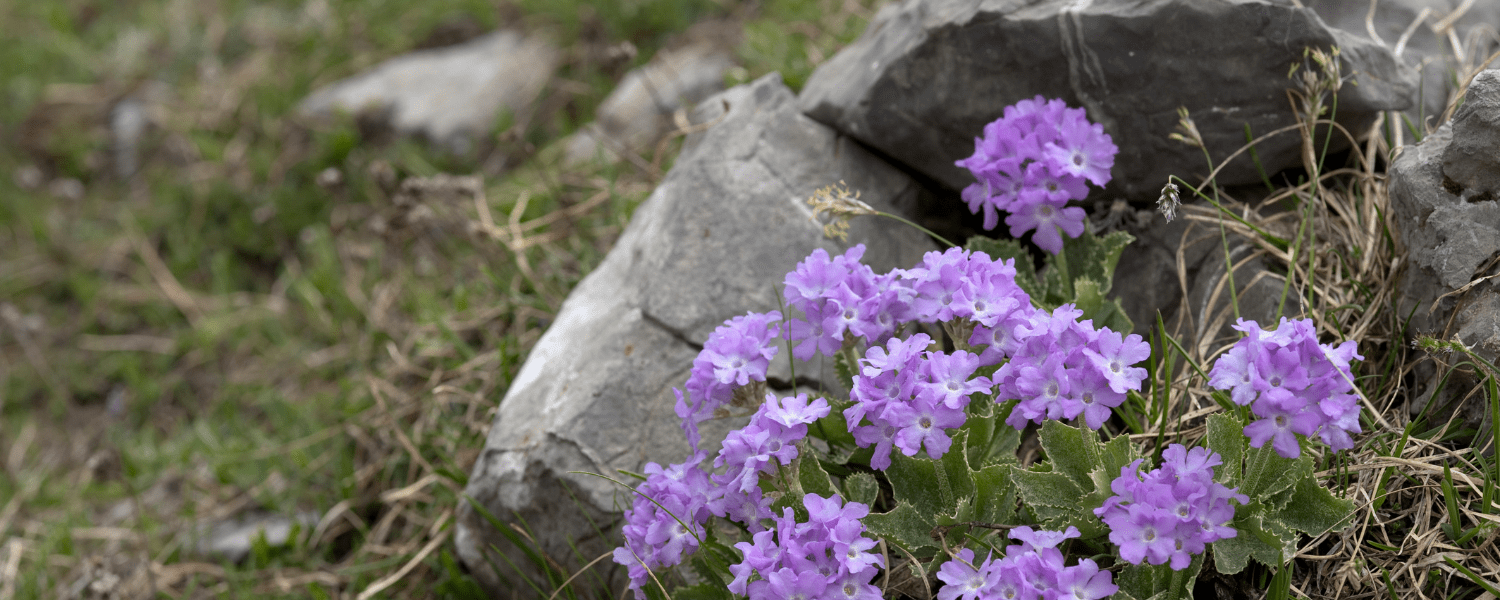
{"points": [[1050, 490], [1054, 288], [1226, 436], [1012, 249], [963, 512], [1004, 440], [862, 488], [1112, 315], [912, 482], [703, 591], [1072, 451], [904, 525], [834, 429], [1088, 297], [994, 495], [844, 370], [955, 464], [812, 477], [1158, 582], [1116, 454], [1267, 473], [1266, 542], [1095, 257], [1313, 509]]}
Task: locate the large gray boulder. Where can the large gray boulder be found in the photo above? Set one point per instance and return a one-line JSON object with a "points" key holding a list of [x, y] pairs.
{"points": [[1452, 239], [713, 241], [450, 95], [927, 75]]}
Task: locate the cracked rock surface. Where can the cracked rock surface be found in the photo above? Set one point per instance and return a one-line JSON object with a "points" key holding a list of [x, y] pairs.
{"points": [[1449, 223], [713, 241], [1427, 48], [929, 74]]}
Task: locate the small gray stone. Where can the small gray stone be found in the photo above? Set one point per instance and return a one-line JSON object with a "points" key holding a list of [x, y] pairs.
{"points": [[713, 241], [1471, 164], [127, 122], [639, 110], [452, 94], [232, 539], [927, 75]]}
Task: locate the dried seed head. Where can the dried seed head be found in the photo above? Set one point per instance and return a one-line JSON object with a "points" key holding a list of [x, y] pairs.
{"points": [[840, 204], [1168, 202], [1187, 131]]}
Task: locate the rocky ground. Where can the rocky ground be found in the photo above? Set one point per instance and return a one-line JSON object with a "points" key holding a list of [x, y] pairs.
{"points": [[291, 297]]}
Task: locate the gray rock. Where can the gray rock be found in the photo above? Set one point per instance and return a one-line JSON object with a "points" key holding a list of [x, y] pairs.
{"points": [[1471, 164], [639, 110], [1451, 239], [927, 75], [713, 241], [450, 95], [1426, 50], [1185, 259], [232, 539], [127, 122]]}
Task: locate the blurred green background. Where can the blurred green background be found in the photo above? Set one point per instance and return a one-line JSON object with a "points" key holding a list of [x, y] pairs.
{"points": [[217, 336]]}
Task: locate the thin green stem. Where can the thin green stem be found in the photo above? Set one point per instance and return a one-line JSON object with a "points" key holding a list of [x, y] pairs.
{"points": [[919, 228]]}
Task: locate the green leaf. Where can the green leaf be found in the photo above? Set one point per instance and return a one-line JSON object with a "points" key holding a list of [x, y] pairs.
{"points": [[1052, 490], [1002, 249], [913, 481], [703, 591], [955, 465], [1054, 289], [1072, 451], [1266, 542], [813, 478], [905, 525], [1314, 509], [1267, 473], [834, 429], [1088, 297], [1112, 315], [1158, 582], [1095, 258], [845, 369], [994, 495], [862, 488], [1226, 436], [1113, 456]]}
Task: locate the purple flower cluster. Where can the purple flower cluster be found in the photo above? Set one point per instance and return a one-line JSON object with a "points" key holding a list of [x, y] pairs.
{"points": [[911, 397], [840, 296], [1171, 513], [1061, 367], [665, 522], [959, 284], [1293, 384], [773, 433], [826, 557], [655, 535], [843, 300], [1031, 570], [1031, 162], [736, 353]]}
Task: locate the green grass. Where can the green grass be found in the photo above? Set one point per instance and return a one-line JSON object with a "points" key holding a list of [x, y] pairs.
{"points": [[220, 334]]}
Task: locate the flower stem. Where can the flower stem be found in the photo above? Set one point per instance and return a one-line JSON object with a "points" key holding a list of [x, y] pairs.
{"points": [[919, 228]]}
